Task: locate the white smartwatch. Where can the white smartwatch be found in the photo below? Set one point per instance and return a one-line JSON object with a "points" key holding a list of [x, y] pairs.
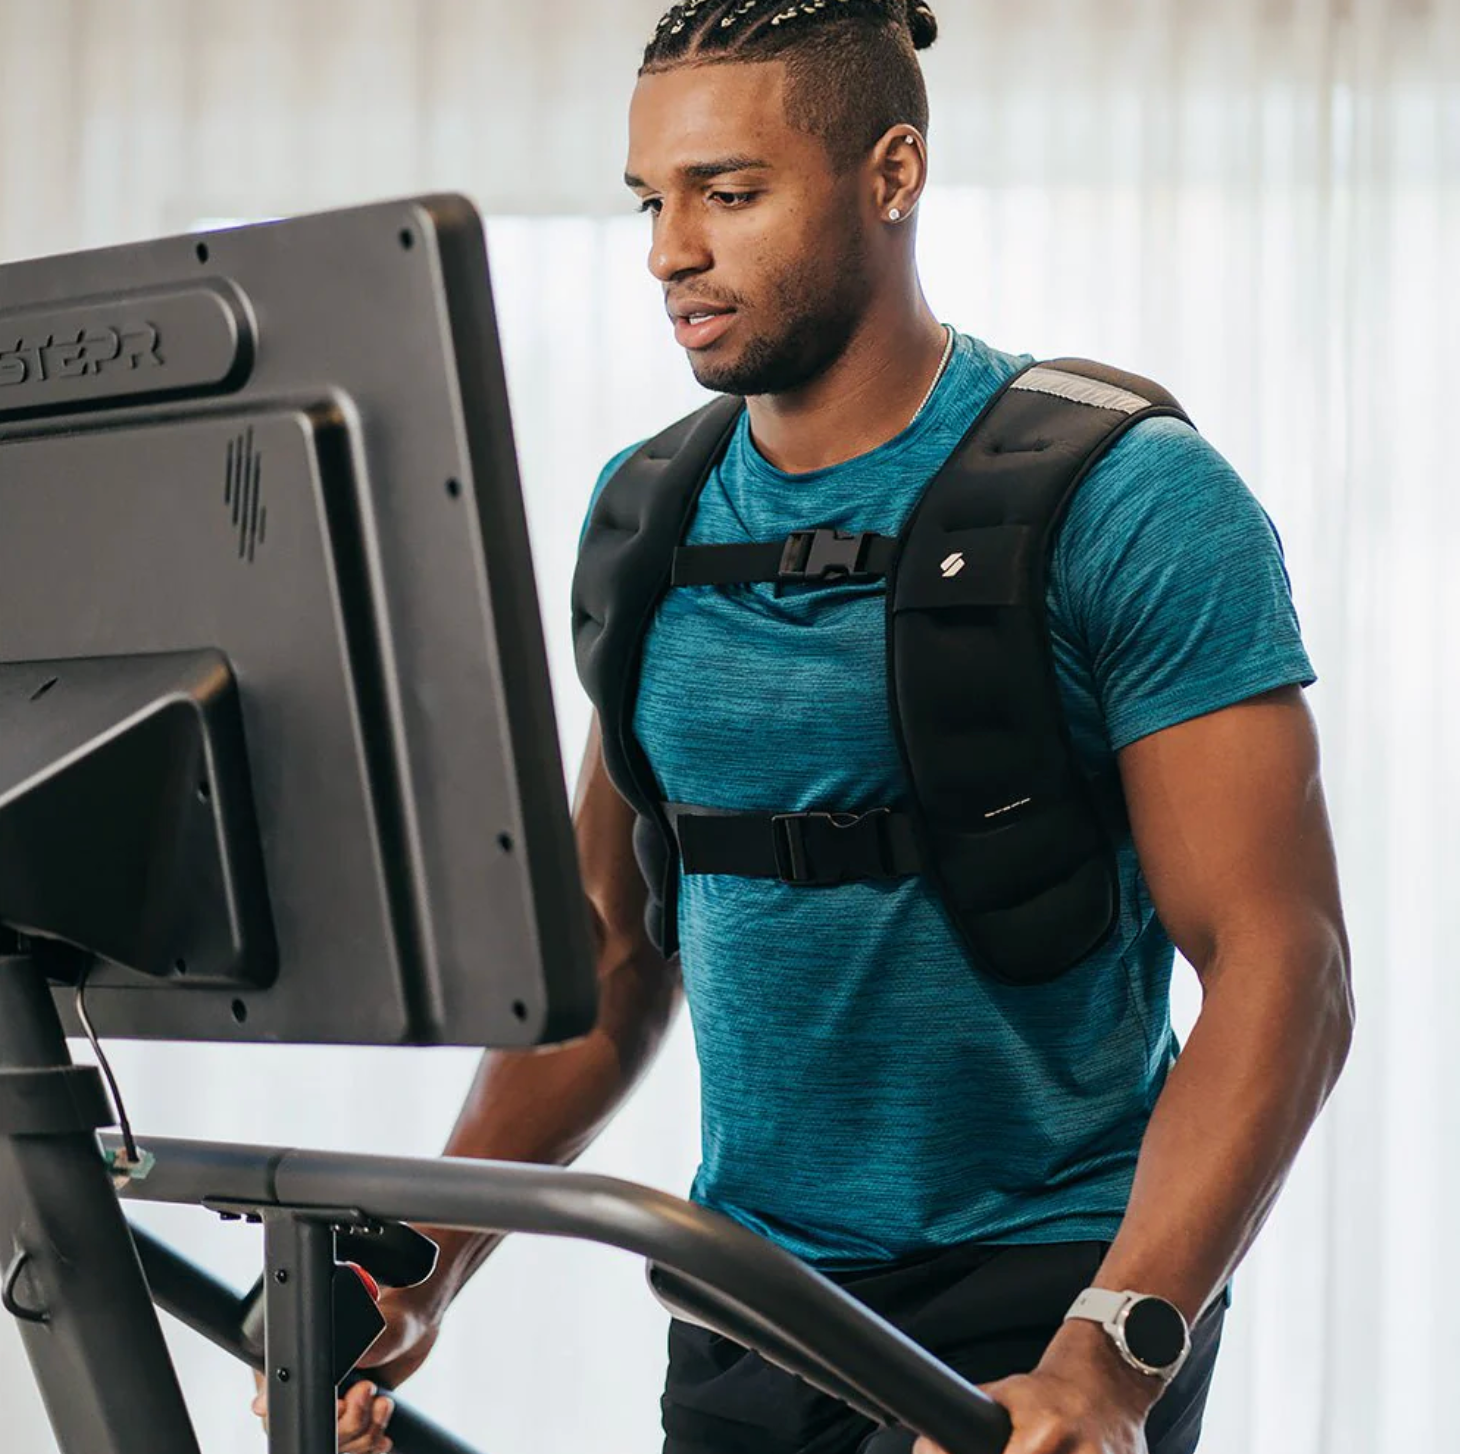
{"points": [[1148, 1332]]}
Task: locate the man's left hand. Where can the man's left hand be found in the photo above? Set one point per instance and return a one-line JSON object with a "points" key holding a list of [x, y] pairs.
{"points": [[1080, 1400]]}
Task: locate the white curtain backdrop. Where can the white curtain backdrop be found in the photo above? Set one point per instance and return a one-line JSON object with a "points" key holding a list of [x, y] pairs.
{"points": [[1257, 203]]}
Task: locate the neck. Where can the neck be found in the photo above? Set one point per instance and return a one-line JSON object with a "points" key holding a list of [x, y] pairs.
{"points": [[868, 396]]}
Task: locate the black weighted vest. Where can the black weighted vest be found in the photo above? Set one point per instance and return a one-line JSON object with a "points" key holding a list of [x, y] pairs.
{"points": [[1017, 842]]}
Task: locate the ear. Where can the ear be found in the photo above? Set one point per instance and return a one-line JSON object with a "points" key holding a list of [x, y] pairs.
{"points": [[899, 173]]}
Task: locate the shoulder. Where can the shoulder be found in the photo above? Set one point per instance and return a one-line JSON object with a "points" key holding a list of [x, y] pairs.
{"points": [[611, 470], [604, 476], [613, 466], [718, 414], [1165, 493], [1161, 454], [1170, 575]]}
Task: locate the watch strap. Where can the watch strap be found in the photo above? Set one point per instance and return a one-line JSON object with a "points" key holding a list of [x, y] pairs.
{"points": [[1100, 1305]]}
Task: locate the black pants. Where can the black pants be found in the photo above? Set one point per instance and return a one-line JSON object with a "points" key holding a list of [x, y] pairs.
{"points": [[986, 1311]]}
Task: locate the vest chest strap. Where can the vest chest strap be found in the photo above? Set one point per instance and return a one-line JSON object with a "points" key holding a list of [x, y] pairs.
{"points": [[805, 555]]}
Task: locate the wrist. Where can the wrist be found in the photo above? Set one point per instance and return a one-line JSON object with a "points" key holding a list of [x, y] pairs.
{"points": [[1083, 1353], [424, 1303], [459, 1254]]}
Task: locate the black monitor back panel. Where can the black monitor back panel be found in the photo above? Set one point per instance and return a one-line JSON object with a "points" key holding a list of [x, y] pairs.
{"points": [[291, 443]]}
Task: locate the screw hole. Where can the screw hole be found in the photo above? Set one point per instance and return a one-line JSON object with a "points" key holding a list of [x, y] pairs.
{"points": [[202, 252], [453, 488], [519, 1009], [180, 965], [240, 1011], [204, 791], [407, 238], [504, 842], [44, 687]]}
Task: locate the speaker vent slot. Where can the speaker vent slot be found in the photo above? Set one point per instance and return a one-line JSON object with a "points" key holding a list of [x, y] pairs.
{"points": [[241, 493]]}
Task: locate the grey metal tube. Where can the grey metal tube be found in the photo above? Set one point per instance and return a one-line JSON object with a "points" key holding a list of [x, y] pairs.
{"points": [[756, 1282]]}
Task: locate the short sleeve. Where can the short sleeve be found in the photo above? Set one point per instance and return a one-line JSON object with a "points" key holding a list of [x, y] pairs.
{"points": [[1172, 576], [605, 475]]}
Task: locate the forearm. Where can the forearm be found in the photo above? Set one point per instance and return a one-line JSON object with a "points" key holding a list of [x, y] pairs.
{"points": [[1265, 1052], [547, 1106], [1232, 833]]}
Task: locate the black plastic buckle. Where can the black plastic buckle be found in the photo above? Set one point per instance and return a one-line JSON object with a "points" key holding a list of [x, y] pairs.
{"points": [[824, 554], [820, 849]]}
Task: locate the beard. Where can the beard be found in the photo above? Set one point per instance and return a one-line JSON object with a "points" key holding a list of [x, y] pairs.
{"points": [[815, 310]]}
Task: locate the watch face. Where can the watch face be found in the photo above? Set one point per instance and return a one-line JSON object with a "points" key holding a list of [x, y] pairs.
{"points": [[1155, 1332]]}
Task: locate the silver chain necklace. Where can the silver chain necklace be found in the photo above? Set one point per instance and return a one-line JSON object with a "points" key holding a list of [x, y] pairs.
{"points": [[937, 377]]}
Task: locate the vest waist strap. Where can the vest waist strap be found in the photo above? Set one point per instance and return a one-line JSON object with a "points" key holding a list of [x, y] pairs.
{"points": [[815, 849]]}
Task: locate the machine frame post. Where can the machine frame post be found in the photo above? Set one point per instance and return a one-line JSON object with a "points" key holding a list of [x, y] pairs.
{"points": [[74, 1282], [299, 1263]]}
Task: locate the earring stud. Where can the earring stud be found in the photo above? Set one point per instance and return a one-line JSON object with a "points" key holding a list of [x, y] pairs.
{"points": [[895, 215]]}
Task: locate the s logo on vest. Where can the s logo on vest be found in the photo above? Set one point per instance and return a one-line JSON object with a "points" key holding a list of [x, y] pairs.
{"points": [[953, 565]]}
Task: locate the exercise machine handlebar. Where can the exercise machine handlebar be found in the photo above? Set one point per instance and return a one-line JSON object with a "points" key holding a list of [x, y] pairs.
{"points": [[701, 1262]]}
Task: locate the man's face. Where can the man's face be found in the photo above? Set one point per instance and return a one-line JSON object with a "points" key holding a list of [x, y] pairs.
{"points": [[758, 240]]}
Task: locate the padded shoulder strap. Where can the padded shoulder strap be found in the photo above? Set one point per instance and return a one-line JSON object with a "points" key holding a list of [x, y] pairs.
{"points": [[1017, 841], [623, 570], [1097, 385], [629, 541]]}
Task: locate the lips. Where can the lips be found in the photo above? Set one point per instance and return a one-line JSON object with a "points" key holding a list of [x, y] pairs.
{"points": [[698, 325]]}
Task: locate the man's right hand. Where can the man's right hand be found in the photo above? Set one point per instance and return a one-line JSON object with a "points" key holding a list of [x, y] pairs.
{"points": [[409, 1334]]}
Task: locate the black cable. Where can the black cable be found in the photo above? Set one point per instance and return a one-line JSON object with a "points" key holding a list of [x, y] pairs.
{"points": [[127, 1140]]}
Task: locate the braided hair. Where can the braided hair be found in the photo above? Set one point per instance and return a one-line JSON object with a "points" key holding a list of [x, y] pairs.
{"points": [[852, 67]]}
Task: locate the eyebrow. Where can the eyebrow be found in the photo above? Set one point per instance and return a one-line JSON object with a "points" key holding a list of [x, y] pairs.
{"points": [[704, 171]]}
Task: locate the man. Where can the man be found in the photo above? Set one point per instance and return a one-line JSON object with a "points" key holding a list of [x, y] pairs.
{"points": [[965, 1155]]}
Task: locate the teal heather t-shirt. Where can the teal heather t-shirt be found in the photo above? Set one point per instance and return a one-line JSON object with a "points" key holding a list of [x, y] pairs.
{"points": [[866, 1095]]}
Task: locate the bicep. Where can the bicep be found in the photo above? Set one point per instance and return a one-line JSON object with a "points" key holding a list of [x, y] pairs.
{"points": [[1231, 828]]}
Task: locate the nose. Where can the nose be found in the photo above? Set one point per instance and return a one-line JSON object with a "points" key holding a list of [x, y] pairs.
{"points": [[679, 246]]}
